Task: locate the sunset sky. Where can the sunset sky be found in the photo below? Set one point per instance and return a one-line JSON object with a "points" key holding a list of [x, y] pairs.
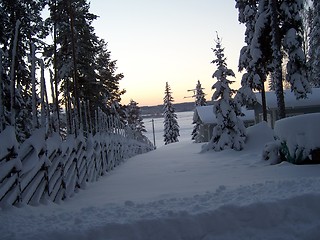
{"points": [[155, 42]]}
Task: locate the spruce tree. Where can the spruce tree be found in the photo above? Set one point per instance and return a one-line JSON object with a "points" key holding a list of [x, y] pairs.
{"points": [[314, 50], [134, 120], [171, 127], [200, 100], [229, 131]]}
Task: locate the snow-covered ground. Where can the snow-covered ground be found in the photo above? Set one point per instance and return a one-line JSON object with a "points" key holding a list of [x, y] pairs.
{"points": [[175, 192]]}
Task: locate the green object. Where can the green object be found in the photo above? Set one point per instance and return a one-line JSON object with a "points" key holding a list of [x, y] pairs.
{"points": [[297, 158]]}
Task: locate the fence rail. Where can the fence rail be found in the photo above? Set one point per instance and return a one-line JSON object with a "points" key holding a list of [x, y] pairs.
{"points": [[52, 169]]}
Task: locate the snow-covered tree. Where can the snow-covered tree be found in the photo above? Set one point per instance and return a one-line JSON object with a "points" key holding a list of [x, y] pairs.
{"points": [[21, 28], [134, 120], [200, 100], [314, 50], [292, 28], [255, 70], [250, 80], [107, 90], [171, 127], [307, 18], [73, 53], [275, 29], [229, 131]]}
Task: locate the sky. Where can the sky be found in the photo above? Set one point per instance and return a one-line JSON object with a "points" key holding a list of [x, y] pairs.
{"points": [[155, 42]]}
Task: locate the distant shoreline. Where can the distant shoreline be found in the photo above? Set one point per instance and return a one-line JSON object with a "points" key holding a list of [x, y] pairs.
{"points": [[157, 111]]}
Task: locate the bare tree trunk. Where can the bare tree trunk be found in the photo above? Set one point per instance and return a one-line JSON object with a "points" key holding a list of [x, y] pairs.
{"points": [[1, 93], [12, 75], [56, 97], [68, 110], [74, 60], [43, 113], [264, 103], [85, 122], [277, 59], [33, 76], [55, 124], [89, 117], [47, 109]]}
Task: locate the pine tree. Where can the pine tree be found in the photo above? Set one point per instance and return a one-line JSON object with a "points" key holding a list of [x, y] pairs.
{"points": [[134, 119], [200, 100], [229, 131], [171, 127], [82, 64], [21, 27], [107, 89], [314, 50], [73, 54]]}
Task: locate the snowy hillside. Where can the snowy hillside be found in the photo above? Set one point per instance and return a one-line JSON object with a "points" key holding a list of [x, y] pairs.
{"points": [[175, 193]]}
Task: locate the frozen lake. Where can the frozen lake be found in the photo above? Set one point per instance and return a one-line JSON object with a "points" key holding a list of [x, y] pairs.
{"points": [[184, 121]]}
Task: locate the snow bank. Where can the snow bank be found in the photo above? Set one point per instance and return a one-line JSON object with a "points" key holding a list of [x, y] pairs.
{"points": [[258, 135], [289, 208], [287, 218]]}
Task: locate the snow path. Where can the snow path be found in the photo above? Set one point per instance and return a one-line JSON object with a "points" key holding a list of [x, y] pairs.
{"points": [[176, 193]]}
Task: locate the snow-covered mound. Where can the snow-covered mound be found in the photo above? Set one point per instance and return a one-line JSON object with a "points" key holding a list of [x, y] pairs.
{"points": [[175, 192], [300, 133], [258, 135]]}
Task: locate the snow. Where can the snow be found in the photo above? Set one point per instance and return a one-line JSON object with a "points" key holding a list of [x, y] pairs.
{"points": [[206, 115], [175, 192], [291, 101], [304, 138], [10, 141]]}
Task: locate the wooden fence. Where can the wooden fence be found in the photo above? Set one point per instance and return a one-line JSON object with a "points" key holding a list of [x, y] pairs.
{"points": [[52, 169]]}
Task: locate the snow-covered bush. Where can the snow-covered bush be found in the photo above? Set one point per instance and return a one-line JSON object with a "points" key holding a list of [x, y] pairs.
{"points": [[299, 137], [271, 152]]}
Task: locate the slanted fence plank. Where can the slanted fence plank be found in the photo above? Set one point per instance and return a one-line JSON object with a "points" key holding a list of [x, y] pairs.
{"points": [[54, 168]]}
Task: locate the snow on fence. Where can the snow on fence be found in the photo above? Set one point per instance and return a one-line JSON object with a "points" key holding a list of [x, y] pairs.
{"points": [[52, 169]]}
